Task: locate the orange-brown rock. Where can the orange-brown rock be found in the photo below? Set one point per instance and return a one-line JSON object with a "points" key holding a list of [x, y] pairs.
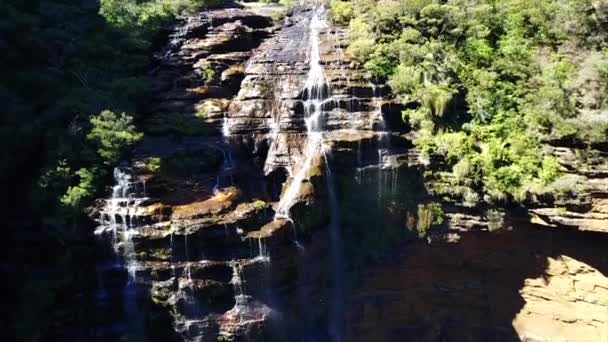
{"points": [[217, 204], [529, 284]]}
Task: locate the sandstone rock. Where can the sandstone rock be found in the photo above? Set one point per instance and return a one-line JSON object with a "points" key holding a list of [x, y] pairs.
{"points": [[194, 247]]}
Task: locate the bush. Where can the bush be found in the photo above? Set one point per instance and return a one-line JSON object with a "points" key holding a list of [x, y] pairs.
{"points": [[207, 72], [498, 78], [259, 204], [152, 164], [428, 215], [341, 11], [113, 133], [362, 43], [495, 219]]}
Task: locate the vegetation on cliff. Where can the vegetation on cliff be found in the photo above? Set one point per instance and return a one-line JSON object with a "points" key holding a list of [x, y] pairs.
{"points": [[73, 81], [487, 82], [73, 84]]}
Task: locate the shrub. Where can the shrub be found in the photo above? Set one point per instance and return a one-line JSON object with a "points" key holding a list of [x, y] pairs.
{"points": [[494, 67], [207, 72], [470, 198], [454, 145], [550, 170], [152, 164], [428, 215], [495, 219], [341, 11], [259, 204], [362, 40], [112, 133], [76, 196]]}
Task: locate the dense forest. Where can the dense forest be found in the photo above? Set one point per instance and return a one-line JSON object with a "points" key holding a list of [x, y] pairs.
{"points": [[74, 78], [487, 82], [486, 85]]}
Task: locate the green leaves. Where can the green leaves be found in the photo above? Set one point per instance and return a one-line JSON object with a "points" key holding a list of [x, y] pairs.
{"points": [[112, 133], [77, 195], [341, 11], [488, 81]]}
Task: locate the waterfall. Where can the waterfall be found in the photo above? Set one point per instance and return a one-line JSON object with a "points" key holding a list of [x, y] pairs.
{"points": [[177, 38], [336, 311], [315, 90], [226, 171], [239, 311], [188, 271], [225, 126], [119, 215], [377, 102], [262, 252], [236, 281], [385, 161], [316, 93]]}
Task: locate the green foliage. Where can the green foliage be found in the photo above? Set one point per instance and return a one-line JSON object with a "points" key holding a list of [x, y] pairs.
{"points": [[67, 67], [341, 11], [112, 133], [207, 72], [454, 145], [496, 220], [287, 2], [152, 164], [550, 170], [78, 195], [61, 72], [362, 40], [259, 204], [487, 82], [428, 215], [278, 15], [148, 16]]}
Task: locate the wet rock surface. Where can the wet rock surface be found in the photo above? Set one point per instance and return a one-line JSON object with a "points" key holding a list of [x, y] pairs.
{"points": [[195, 227]]}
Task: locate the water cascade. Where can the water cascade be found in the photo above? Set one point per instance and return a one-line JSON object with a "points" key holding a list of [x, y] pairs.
{"points": [[262, 252], [119, 215], [336, 251], [315, 91], [224, 177], [176, 39], [316, 94], [386, 161], [225, 126]]}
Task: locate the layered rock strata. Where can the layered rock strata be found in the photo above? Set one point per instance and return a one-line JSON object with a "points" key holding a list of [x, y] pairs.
{"points": [[199, 236]]}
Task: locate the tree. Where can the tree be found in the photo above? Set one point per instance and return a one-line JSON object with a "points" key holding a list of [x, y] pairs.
{"points": [[112, 133]]}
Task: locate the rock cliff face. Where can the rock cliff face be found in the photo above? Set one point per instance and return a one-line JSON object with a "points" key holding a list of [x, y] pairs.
{"points": [[528, 284], [241, 218]]}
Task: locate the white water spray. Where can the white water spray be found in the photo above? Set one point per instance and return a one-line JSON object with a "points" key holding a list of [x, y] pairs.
{"points": [[119, 215], [316, 90]]}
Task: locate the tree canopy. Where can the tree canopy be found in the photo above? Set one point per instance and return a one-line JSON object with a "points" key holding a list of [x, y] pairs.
{"points": [[489, 81]]}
